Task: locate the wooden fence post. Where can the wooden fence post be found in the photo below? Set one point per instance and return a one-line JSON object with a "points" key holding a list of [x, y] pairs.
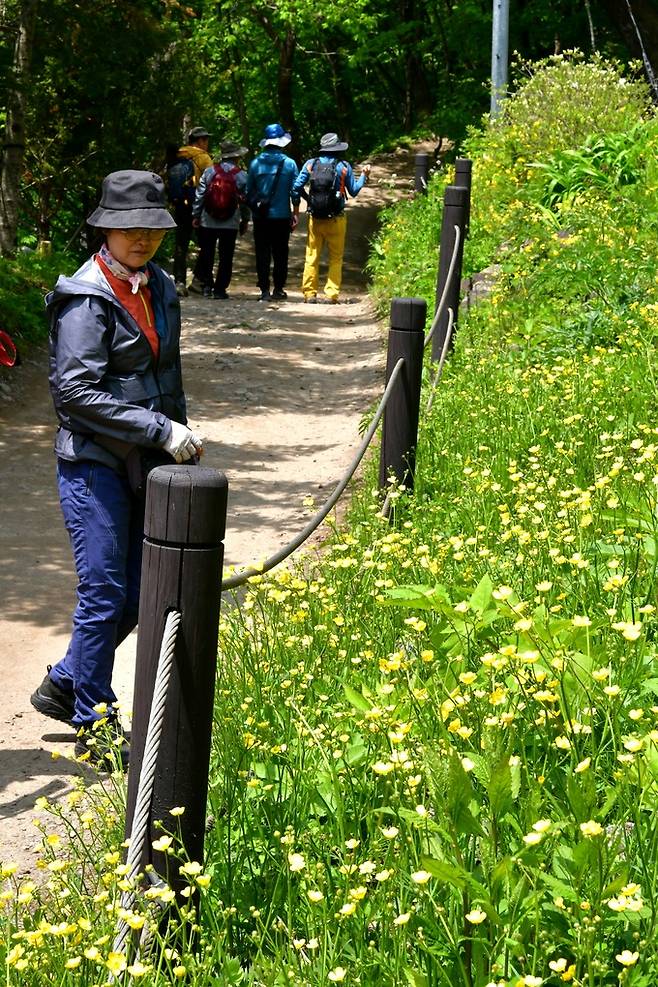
{"points": [[181, 570], [454, 211], [421, 172], [400, 425], [464, 178]]}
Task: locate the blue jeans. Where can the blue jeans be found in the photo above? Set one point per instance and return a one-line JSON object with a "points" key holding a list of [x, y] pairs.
{"points": [[105, 523]]}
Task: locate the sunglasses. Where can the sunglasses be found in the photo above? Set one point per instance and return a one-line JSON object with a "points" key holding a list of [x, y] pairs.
{"points": [[140, 234]]}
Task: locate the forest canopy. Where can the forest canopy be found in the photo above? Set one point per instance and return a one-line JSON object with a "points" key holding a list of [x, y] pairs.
{"points": [[90, 86]]}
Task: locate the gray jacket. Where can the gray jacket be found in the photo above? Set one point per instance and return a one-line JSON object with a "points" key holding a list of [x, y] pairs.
{"points": [[241, 213], [104, 379]]}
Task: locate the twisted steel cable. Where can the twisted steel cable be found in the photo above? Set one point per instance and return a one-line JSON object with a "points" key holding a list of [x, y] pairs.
{"points": [[239, 578], [140, 827], [442, 300]]}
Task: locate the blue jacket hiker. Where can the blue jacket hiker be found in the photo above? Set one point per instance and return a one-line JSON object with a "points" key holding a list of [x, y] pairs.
{"points": [[269, 188], [115, 379], [331, 180], [219, 217]]}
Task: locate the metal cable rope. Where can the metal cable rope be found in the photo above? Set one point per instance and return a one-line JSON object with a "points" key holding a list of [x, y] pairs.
{"points": [[442, 300], [140, 826], [239, 578], [442, 360]]}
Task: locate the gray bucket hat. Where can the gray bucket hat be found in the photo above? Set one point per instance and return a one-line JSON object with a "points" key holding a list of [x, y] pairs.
{"points": [[229, 149], [196, 133], [132, 199], [330, 142]]}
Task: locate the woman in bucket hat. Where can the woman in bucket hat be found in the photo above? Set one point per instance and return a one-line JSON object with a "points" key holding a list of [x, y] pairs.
{"points": [[331, 179], [269, 187], [115, 379]]}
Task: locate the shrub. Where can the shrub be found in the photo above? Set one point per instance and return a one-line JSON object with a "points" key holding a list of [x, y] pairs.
{"points": [[24, 280]]}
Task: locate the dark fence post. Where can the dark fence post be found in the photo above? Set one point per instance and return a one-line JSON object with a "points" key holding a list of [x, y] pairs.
{"points": [[464, 177], [400, 426], [181, 570], [421, 172], [454, 211]]}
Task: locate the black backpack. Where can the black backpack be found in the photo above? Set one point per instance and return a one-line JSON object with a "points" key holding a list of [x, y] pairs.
{"points": [[180, 181], [324, 200]]}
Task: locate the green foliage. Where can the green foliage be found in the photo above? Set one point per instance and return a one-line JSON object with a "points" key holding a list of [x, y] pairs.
{"points": [[24, 281], [603, 162], [564, 100], [435, 751], [372, 72]]}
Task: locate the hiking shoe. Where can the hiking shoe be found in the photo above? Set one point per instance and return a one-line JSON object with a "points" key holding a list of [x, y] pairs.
{"points": [[310, 299], [195, 288], [103, 745], [265, 297], [181, 289], [279, 295], [52, 701], [207, 292], [222, 295]]}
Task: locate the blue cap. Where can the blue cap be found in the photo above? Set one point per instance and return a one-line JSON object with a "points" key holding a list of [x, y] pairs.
{"points": [[276, 135]]}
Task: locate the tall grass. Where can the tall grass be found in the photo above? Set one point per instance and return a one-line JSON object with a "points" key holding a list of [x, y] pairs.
{"points": [[435, 753]]}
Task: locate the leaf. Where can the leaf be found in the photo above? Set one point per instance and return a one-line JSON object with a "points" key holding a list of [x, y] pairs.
{"points": [[418, 597], [450, 874], [415, 978], [416, 822], [356, 699], [500, 786], [559, 888], [481, 596], [515, 779], [649, 685]]}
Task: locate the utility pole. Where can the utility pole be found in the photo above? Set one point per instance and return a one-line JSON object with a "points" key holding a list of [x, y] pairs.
{"points": [[499, 54]]}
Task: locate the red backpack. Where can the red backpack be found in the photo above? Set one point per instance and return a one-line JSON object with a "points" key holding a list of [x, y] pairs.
{"points": [[222, 197]]}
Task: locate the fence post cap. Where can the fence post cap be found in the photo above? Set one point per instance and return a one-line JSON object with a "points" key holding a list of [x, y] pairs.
{"points": [[186, 505], [408, 314], [455, 195]]}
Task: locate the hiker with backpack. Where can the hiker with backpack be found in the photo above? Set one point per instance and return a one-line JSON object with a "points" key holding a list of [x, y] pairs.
{"points": [[219, 213], [269, 187], [184, 170], [330, 180]]}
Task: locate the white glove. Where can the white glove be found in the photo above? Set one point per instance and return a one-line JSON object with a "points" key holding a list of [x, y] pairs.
{"points": [[182, 444]]}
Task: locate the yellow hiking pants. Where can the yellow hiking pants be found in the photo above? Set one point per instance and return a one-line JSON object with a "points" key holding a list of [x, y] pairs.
{"points": [[331, 232]]}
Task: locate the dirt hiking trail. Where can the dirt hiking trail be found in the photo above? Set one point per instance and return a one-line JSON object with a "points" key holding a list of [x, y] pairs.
{"points": [[277, 391]]}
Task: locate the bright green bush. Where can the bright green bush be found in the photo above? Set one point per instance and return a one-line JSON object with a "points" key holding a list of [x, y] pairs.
{"points": [[24, 281], [564, 101]]}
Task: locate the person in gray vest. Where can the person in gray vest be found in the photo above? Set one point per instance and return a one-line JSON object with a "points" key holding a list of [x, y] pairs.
{"points": [[218, 219], [115, 380]]}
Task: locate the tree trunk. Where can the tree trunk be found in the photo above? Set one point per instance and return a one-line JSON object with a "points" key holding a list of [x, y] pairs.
{"points": [[13, 146], [287, 46], [342, 93], [646, 18], [238, 88]]}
